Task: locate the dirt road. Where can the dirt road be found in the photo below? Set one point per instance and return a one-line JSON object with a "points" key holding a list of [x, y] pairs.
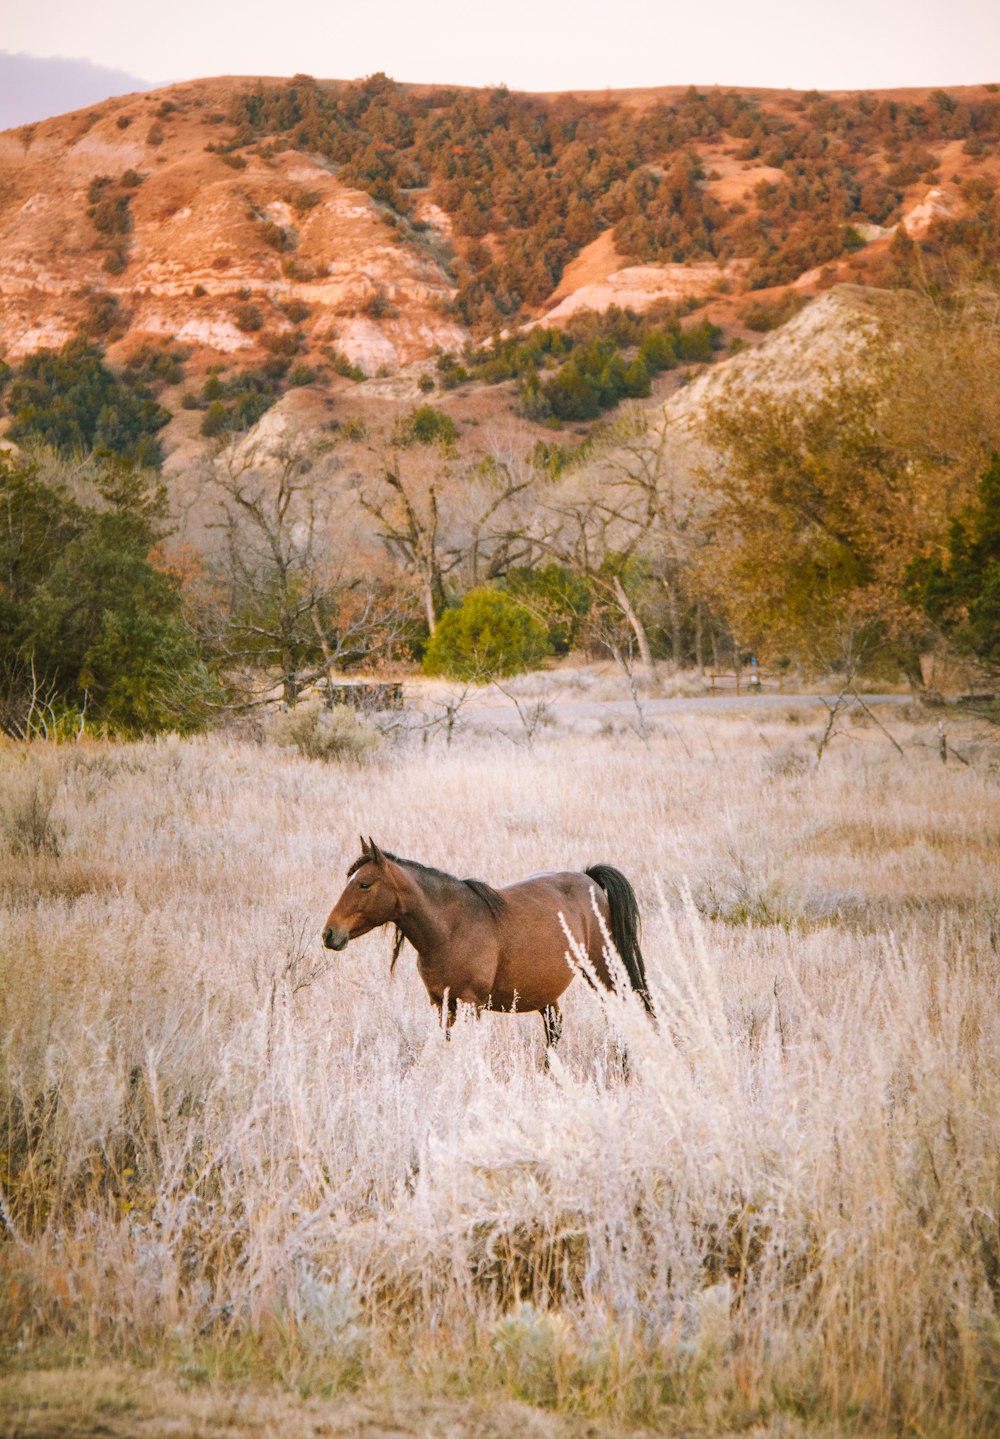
{"points": [[112, 1402]]}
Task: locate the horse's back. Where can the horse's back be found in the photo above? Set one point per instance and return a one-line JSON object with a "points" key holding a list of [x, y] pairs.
{"points": [[553, 892]]}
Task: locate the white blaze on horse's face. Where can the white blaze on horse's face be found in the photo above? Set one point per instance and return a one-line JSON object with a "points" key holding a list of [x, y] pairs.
{"points": [[367, 902]]}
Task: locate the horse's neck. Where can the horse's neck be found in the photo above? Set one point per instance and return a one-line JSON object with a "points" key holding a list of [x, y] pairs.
{"points": [[432, 905]]}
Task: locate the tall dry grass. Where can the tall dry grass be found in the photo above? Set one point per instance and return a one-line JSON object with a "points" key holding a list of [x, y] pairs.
{"points": [[225, 1152]]}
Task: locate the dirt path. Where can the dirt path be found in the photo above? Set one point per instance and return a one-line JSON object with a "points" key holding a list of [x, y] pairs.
{"points": [[121, 1403], [584, 713], [118, 1402]]}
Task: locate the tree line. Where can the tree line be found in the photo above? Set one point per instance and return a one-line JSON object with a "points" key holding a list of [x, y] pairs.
{"points": [[850, 523]]}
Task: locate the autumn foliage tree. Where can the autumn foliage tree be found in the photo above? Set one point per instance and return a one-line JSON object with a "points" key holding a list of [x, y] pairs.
{"points": [[825, 495], [813, 526]]}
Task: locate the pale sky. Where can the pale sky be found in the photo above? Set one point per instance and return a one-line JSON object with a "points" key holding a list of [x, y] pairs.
{"points": [[528, 44]]}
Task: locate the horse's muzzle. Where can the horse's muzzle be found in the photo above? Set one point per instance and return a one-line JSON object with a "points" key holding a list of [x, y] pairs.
{"points": [[335, 939]]}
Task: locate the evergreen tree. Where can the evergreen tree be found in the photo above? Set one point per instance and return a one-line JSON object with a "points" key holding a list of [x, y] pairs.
{"points": [[86, 618]]}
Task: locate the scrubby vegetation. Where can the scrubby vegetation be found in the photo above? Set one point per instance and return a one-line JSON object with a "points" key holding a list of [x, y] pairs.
{"points": [[73, 402], [426, 426], [598, 360], [542, 178], [109, 211], [960, 592], [490, 635], [844, 528], [238, 401]]}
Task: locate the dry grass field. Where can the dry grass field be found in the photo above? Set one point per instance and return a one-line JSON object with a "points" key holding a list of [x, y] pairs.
{"points": [[246, 1186]]}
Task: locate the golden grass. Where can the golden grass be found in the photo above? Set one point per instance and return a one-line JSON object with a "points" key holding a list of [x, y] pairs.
{"points": [[231, 1157]]}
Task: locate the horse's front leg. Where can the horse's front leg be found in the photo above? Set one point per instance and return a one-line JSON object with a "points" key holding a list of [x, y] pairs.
{"points": [[447, 1008]]}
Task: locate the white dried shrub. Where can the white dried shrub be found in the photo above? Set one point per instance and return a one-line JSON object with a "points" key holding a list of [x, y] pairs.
{"points": [[29, 783], [335, 734]]}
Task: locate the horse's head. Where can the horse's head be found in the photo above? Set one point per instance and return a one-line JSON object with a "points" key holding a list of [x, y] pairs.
{"points": [[370, 898]]}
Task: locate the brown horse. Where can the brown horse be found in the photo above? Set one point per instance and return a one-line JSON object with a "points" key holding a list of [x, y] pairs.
{"points": [[502, 949]]}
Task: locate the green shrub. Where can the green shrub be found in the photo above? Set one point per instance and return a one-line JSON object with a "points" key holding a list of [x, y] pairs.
{"points": [[451, 372], [961, 592], [698, 342], [213, 422], [103, 314], [294, 269], [426, 426], [296, 311], [279, 237], [658, 352], [248, 317], [341, 365], [557, 597], [379, 307], [157, 364], [282, 342], [112, 216], [489, 636], [764, 315]]}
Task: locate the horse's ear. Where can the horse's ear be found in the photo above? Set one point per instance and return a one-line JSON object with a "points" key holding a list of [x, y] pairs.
{"points": [[366, 852], [375, 854]]}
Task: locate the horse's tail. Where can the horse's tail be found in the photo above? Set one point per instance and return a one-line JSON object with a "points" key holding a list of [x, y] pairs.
{"points": [[625, 925]]}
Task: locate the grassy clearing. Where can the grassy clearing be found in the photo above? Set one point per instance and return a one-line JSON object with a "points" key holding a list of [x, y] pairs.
{"points": [[230, 1159]]}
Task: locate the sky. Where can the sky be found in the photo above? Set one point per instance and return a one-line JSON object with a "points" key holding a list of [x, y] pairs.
{"points": [[527, 44]]}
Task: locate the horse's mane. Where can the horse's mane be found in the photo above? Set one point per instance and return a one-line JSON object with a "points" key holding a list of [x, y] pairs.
{"points": [[492, 898]]}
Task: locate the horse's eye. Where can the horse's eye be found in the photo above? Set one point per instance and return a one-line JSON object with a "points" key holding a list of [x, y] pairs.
{"points": [[364, 884]]}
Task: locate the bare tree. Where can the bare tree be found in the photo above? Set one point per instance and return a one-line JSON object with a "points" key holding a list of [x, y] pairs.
{"points": [[441, 517], [291, 607], [587, 527], [646, 498]]}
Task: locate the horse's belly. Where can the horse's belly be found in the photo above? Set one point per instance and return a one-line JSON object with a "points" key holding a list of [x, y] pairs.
{"points": [[533, 985], [468, 981]]}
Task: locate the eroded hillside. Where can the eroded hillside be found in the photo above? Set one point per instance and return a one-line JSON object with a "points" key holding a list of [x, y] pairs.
{"points": [[123, 201], [391, 221], [243, 243]]}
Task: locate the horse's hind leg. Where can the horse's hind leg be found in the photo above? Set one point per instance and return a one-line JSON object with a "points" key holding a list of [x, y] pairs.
{"points": [[552, 1019]]}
